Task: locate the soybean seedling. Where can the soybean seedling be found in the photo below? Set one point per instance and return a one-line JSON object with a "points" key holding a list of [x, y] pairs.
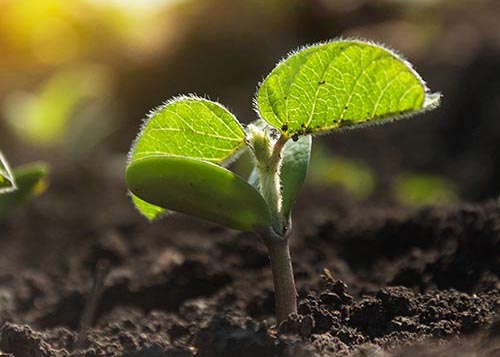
{"points": [[177, 161], [20, 184], [7, 182]]}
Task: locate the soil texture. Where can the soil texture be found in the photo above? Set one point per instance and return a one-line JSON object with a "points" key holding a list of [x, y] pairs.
{"points": [[391, 281]]}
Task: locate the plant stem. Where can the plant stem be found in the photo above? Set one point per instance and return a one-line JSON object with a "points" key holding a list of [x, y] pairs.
{"points": [[277, 241], [275, 159], [270, 185], [268, 162], [284, 282]]}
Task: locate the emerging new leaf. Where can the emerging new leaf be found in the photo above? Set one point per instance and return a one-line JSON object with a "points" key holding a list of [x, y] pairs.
{"points": [[7, 182], [188, 127], [31, 180], [198, 188], [294, 167], [341, 84]]}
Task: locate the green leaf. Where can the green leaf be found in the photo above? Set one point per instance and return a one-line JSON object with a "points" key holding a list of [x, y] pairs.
{"points": [[198, 188], [148, 210], [7, 182], [188, 127], [341, 84], [32, 181], [296, 156]]}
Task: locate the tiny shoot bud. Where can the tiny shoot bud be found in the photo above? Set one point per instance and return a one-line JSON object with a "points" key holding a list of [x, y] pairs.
{"points": [[28, 181]]}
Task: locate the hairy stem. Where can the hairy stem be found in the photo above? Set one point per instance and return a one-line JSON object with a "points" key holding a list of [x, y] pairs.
{"points": [[284, 282], [270, 185], [277, 240], [268, 157]]}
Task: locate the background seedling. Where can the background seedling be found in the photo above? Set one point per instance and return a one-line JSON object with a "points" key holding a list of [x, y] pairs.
{"points": [[66, 111], [359, 181], [21, 184], [177, 162], [7, 182], [355, 177], [418, 189]]}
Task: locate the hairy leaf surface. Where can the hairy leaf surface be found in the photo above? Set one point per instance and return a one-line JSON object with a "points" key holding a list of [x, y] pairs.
{"points": [[341, 84], [188, 127]]}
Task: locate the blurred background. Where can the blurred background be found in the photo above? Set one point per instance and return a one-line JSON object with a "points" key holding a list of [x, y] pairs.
{"points": [[77, 78]]}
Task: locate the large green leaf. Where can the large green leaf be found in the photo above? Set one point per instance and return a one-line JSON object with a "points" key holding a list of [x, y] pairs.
{"points": [[7, 182], [198, 188], [31, 180], [341, 84], [188, 127]]}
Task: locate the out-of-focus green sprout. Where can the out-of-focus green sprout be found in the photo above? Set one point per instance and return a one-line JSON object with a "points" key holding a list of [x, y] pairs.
{"points": [[44, 118], [7, 181], [32, 181], [21, 184], [354, 176], [414, 189]]}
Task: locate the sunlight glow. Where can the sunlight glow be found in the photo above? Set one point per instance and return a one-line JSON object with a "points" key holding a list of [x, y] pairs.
{"points": [[137, 5]]}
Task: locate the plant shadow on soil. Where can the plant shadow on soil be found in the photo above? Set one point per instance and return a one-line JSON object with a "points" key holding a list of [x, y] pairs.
{"points": [[400, 282]]}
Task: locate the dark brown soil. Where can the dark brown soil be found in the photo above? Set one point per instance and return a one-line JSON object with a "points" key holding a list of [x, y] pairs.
{"points": [[103, 282]]}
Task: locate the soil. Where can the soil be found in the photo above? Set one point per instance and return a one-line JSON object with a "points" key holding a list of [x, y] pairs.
{"points": [[373, 279]]}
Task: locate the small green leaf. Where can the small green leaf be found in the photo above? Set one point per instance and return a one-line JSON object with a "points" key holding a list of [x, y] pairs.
{"points": [[296, 156], [188, 127], [341, 84], [32, 181], [7, 182], [198, 188]]}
